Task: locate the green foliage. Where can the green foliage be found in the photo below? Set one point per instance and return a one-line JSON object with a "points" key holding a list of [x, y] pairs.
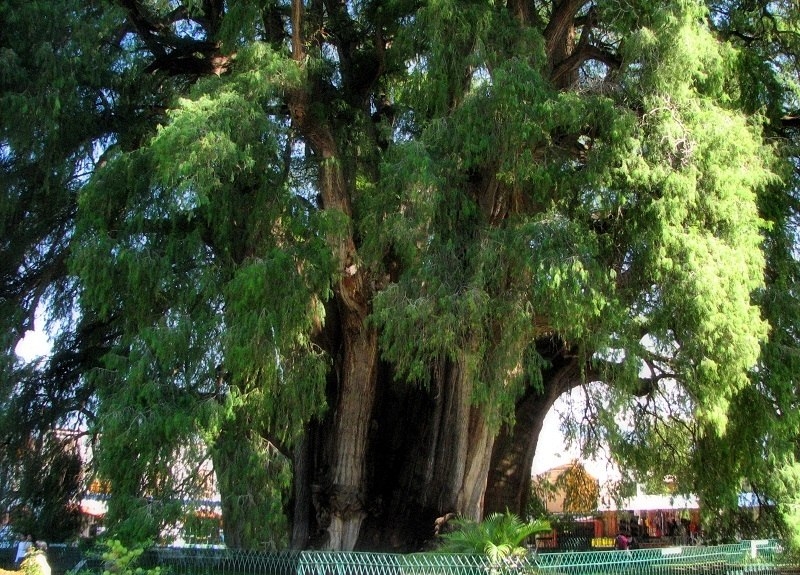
{"points": [[542, 491], [581, 490], [118, 559], [254, 480], [202, 228], [500, 535], [42, 486], [201, 528], [670, 171]]}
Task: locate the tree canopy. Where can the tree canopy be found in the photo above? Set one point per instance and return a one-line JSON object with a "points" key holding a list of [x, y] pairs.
{"points": [[352, 251]]}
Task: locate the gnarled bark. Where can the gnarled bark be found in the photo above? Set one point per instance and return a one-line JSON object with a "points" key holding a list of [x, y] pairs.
{"points": [[351, 426], [508, 484], [359, 342], [509, 479]]}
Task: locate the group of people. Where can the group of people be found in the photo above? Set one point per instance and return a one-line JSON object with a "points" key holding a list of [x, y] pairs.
{"points": [[33, 552]]}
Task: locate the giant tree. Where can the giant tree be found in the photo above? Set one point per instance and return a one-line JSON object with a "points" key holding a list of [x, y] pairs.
{"points": [[352, 252]]}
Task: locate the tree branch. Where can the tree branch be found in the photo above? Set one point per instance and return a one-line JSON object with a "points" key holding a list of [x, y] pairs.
{"points": [[791, 121], [298, 53]]}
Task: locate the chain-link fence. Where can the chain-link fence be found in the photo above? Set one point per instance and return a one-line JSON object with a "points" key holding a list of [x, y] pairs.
{"points": [[746, 558]]}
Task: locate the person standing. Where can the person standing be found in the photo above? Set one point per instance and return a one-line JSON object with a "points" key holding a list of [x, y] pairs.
{"points": [[22, 549], [622, 542]]}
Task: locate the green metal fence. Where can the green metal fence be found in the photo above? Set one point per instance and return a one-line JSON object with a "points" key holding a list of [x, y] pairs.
{"points": [[747, 558], [659, 561]]}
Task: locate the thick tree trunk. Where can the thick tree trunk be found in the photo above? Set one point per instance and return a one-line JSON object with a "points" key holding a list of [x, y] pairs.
{"points": [[442, 464], [460, 447], [510, 474], [446, 457], [345, 493], [509, 479], [429, 455], [351, 427], [478, 459], [301, 496]]}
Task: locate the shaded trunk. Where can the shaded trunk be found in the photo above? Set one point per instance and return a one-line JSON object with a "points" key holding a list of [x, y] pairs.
{"points": [[407, 455], [560, 40], [478, 459], [301, 495], [353, 414], [429, 455], [461, 447], [509, 479], [330, 466]]}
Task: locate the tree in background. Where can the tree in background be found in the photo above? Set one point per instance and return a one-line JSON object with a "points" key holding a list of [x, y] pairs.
{"points": [[566, 489], [581, 490], [42, 486], [542, 493], [358, 249]]}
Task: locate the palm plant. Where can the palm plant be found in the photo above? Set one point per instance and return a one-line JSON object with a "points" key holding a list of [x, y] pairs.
{"points": [[500, 536]]}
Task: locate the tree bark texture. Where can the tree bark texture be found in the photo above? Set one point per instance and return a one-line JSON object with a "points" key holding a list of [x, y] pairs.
{"points": [[428, 452], [509, 479], [351, 426]]}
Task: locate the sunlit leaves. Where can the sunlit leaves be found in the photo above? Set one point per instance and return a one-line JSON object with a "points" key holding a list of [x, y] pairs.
{"points": [[661, 204]]}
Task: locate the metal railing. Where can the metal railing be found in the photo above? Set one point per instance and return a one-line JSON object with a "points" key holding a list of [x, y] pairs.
{"points": [[746, 558]]}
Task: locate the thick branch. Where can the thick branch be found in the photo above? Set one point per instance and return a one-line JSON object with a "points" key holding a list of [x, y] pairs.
{"points": [[791, 121], [298, 53], [195, 58], [586, 50], [520, 9], [509, 476], [559, 30], [563, 16]]}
